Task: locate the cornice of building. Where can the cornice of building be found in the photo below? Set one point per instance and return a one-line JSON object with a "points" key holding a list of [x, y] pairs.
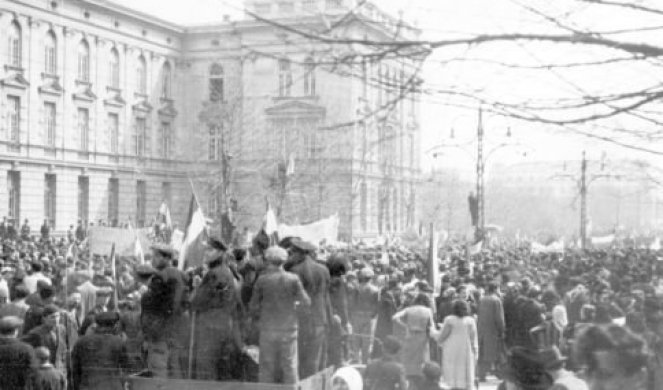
{"points": [[132, 13]]}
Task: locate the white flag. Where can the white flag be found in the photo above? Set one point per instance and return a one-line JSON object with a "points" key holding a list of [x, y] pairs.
{"points": [[138, 251], [194, 236]]}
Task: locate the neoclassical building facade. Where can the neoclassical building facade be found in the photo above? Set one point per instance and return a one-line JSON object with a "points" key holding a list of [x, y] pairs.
{"points": [[106, 112]]}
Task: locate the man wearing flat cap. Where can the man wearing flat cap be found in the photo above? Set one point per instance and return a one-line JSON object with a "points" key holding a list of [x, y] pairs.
{"points": [[103, 296], [17, 359], [97, 359], [215, 303], [164, 322], [51, 334], [314, 320]]}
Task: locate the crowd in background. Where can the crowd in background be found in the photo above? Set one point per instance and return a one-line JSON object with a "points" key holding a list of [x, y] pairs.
{"points": [[279, 313]]}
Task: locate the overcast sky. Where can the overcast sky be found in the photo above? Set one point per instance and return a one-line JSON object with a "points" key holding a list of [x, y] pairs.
{"points": [[440, 19]]}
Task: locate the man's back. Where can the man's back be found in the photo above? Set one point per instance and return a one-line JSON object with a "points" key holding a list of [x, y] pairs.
{"points": [[275, 294], [97, 359], [315, 279], [17, 362]]}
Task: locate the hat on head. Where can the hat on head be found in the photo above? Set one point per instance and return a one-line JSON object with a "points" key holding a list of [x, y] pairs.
{"points": [[107, 318], [525, 369], [49, 310], [303, 246], [104, 292], [145, 270], [10, 323], [366, 273], [551, 357], [216, 244], [42, 353], [432, 370], [164, 250]]}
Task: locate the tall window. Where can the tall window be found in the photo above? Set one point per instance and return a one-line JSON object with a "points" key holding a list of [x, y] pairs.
{"points": [[83, 61], [50, 196], [309, 77], [114, 132], [165, 140], [114, 69], [49, 122], [14, 195], [216, 92], [215, 142], [113, 201], [84, 128], [50, 53], [141, 135], [83, 198], [141, 201], [14, 119], [363, 207], [285, 78], [166, 80], [14, 44], [141, 75]]}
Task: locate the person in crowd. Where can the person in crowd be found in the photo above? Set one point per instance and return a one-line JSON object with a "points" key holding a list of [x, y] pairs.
{"points": [[3, 228], [98, 359], [35, 277], [215, 304], [614, 358], [17, 358], [45, 231], [525, 371], [418, 322], [51, 335], [314, 320], [490, 327], [460, 348], [101, 305], [388, 305], [386, 373], [432, 373], [274, 302], [70, 234], [25, 230], [81, 232], [163, 318], [445, 304], [130, 330], [17, 307], [12, 234], [363, 310], [34, 315], [553, 362], [48, 377], [338, 296]]}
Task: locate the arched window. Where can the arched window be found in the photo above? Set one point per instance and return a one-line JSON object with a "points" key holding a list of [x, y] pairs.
{"points": [[285, 78], [114, 69], [216, 87], [15, 43], [309, 77], [83, 61], [166, 75], [141, 75], [50, 53]]}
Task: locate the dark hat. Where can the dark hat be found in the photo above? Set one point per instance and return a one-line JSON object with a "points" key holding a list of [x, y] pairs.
{"points": [[104, 292], [10, 324], [432, 370], [107, 318], [391, 345], [42, 353], [216, 244], [49, 310], [145, 270], [164, 250], [551, 357], [302, 245]]}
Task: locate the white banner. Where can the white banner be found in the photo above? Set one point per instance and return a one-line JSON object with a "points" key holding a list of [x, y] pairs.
{"points": [[603, 241], [101, 239], [323, 230], [554, 247]]}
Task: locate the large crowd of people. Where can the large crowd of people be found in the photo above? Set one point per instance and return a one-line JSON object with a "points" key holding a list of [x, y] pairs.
{"points": [[278, 312]]}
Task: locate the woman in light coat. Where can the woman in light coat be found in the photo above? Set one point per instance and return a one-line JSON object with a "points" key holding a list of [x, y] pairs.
{"points": [[458, 339]]}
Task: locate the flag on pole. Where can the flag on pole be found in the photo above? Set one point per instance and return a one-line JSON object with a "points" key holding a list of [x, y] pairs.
{"points": [[113, 262], [290, 168], [195, 236], [72, 252], [475, 249], [433, 267], [138, 251]]}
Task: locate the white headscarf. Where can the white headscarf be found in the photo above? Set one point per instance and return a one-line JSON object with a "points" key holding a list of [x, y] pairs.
{"points": [[351, 376]]}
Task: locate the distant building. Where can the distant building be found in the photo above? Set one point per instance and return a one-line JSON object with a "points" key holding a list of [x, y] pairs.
{"points": [[101, 117]]}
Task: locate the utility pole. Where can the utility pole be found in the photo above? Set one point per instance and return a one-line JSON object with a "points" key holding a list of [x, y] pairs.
{"points": [[480, 170], [583, 201]]}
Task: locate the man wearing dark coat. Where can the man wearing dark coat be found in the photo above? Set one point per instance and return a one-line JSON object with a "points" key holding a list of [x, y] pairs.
{"points": [[52, 335], [490, 329], [386, 373], [17, 359], [215, 303], [99, 358], [47, 376], [163, 319], [313, 321]]}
